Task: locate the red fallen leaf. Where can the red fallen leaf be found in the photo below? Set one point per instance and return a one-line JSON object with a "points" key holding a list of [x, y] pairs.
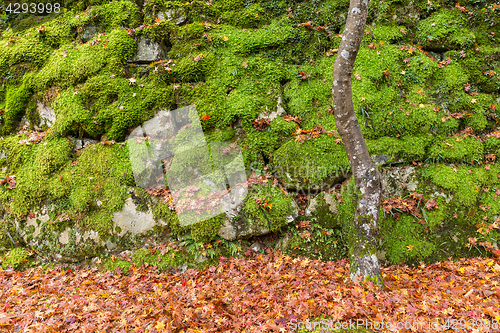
{"points": [[307, 25], [303, 75], [31, 215], [297, 120], [205, 117], [260, 124], [432, 204]]}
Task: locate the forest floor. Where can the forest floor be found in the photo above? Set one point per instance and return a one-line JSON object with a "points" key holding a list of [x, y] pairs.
{"points": [[268, 292]]}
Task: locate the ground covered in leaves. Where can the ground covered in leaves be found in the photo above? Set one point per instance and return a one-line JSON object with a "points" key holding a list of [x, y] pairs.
{"points": [[260, 293]]}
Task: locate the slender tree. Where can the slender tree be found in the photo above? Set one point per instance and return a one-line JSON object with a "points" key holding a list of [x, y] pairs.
{"points": [[362, 238]]}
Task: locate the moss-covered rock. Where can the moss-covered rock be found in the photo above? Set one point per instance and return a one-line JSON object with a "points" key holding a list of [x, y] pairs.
{"points": [[425, 89], [314, 165], [444, 30], [16, 258]]}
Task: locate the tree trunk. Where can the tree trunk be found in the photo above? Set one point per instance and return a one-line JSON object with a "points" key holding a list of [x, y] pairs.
{"points": [[362, 247]]}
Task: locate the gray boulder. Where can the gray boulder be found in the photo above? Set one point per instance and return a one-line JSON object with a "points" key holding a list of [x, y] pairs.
{"points": [[46, 116], [148, 51]]}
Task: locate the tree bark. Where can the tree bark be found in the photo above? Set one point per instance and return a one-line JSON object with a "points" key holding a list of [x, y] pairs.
{"points": [[362, 238]]}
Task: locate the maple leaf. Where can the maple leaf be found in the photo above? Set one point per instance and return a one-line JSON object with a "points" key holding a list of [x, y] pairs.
{"points": [[331, 52], [205, 117], [260, 124], [160, 325], [307, 25], [303, 75], [297, 120], [473, 100]]}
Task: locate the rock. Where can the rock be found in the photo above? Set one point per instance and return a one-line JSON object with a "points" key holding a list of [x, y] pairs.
{"points": [[237, 228], [172, 15], [447, 198], [64, 237], [326, 199], [148, 51], [233, 201], [279, 111], [23, 122], [228, 231], [46, 115], [380, 159], [381, 256], [33, 222], [256, 247], [63, 259], [162, 126], [282, 243], [130, 219], [331, 202], [311, 208], [396, 179], [126, 253], [110, 245], [89, 32], [200, 258], [82, 143]]}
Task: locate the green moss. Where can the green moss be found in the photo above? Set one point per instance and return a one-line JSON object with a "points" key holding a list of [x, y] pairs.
{"points": [[206, 231], [117, 264], [447, 178], [404, 240], [76, 63], [408, 148], [314, 163], [39, 163], [452, 150], [171, 259], [317, 243], [17, 99], [477, 122], [190, 69], [388, 33], [203, 231], [8, 235], [245, 42], [478, 64], [453, 77], [274, 217], [492, 146], [121, 45], [115, 107], [117, 14], [444, 29], [17, 258]]}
